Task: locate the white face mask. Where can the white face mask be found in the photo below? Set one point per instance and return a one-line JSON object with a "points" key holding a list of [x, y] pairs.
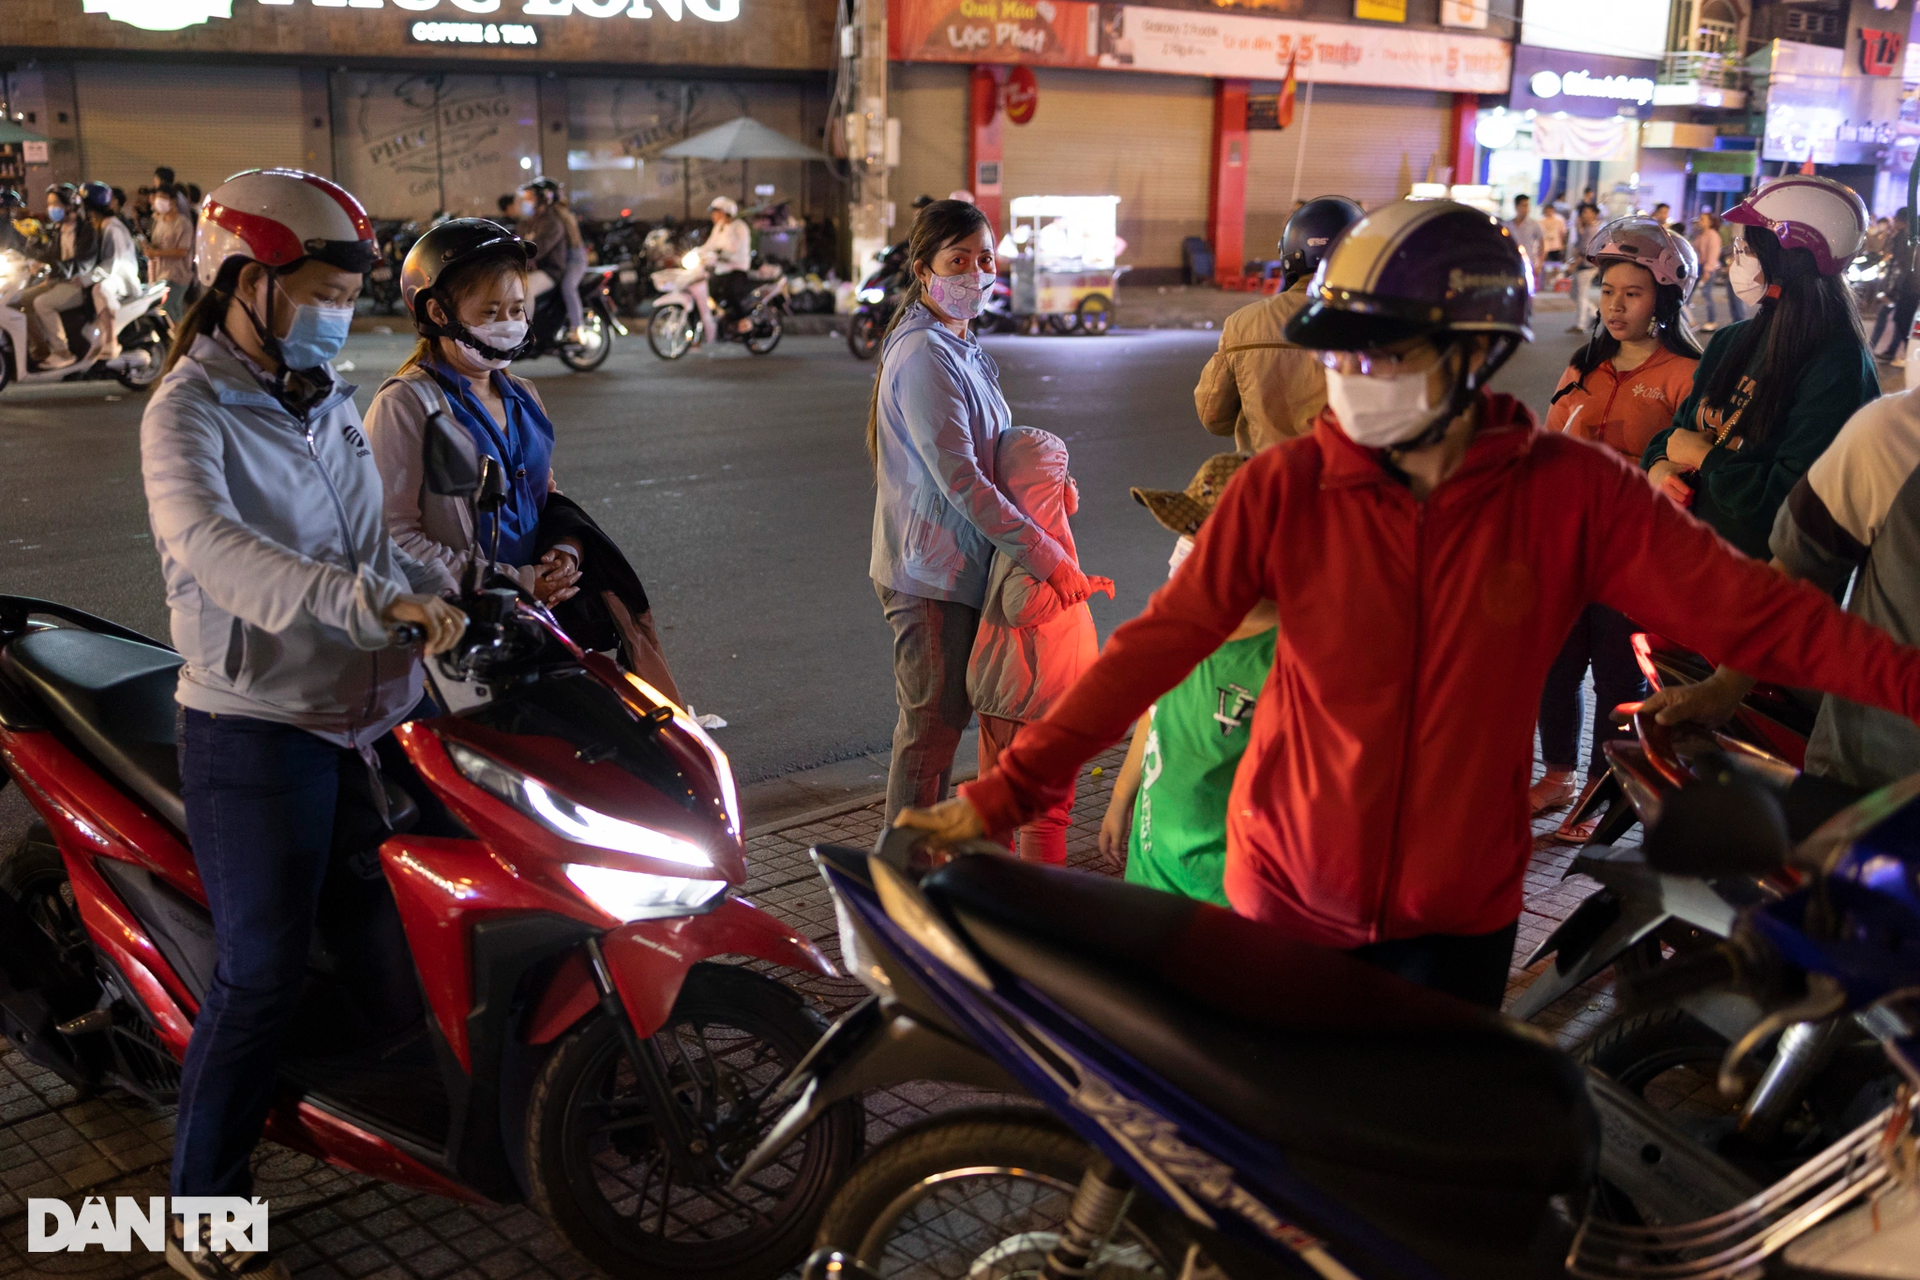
{"points": [[1747, 279], [1380, 412], [163, 206], [503, 335], [1181, 550]]}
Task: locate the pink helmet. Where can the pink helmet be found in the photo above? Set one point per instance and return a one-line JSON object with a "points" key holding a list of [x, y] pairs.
{"points": [[1826, 218], [1646, 243], [278, 217]]}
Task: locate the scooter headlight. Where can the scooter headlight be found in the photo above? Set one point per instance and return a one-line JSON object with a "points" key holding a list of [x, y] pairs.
{"points": [[570, 820], [636, 895], [691, 260], [873, 295]]}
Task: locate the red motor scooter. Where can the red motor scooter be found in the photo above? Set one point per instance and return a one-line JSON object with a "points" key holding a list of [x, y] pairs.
{"points": [[571, 1044]]}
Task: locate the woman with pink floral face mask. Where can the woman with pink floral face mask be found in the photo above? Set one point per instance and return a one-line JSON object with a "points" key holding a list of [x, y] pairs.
{"points": [[939, 513]]}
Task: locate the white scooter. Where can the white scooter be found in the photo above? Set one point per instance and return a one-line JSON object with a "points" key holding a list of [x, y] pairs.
{"points": [[679, 314], [145, 333]]}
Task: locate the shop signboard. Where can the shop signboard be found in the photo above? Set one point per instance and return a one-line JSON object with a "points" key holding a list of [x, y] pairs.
{"points": [[1069, 33], [1023, 95], [1582, 84], [1471, 14], [1631, 29], [1380, 10], [448, 142], [774, 34]]}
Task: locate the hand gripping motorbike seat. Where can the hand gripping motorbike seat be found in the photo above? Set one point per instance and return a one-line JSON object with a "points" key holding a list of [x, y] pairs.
{"points": [[115, 697], [1444, 1126]]}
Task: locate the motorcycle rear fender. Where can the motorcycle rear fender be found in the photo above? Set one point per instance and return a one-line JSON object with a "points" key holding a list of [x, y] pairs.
{"points": [[1667, 1174], [875, 1044], [649, 959], [1599, 931]]}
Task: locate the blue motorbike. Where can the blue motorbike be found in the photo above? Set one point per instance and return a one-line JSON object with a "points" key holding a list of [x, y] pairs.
{"points": [[1175, 1091]]}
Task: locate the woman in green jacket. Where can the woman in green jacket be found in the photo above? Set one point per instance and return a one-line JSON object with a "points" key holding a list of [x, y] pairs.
{"points": [[1771, 392]]}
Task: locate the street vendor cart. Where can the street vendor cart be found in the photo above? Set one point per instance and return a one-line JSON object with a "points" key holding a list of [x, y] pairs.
{"points": [[1064, 277]]}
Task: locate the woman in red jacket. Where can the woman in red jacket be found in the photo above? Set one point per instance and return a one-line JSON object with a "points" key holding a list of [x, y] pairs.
{"points": [[1428, 548], [1620, 391]]}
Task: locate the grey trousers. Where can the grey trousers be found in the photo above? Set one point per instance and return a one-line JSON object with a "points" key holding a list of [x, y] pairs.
{"points": [[932, 640]]}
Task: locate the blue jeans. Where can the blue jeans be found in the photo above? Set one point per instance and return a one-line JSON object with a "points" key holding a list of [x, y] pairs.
{"points": [[570, 279], [283, 826], [1603, 639]]}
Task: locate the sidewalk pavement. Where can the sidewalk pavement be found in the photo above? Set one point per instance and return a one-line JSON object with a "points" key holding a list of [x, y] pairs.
{"points": [[332, 1225]]}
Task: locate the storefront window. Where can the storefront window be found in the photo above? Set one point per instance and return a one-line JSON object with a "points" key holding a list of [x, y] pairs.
{"points": [[409, 145]]}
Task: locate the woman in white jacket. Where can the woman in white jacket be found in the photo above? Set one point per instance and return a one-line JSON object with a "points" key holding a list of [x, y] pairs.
{"points": [[283, 584]]}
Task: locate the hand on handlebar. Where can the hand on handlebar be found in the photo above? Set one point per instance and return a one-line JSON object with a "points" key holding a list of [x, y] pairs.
{"points": [[443, 623], [1711, 702], [948, 822]]}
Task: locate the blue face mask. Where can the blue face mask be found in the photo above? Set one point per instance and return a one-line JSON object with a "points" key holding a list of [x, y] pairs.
{"points": [[56, 214], [316, 336]]}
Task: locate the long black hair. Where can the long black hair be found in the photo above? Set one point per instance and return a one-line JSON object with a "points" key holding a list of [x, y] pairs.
{"points": [[1669, 326], [1802, 312], [939, 225]]}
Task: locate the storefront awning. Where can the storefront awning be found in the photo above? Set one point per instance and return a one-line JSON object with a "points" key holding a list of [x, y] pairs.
{"points": [[741, 139], [10, 132]]}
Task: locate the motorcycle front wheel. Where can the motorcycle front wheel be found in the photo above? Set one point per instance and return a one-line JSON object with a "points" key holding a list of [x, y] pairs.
{"points": [[595, 345], [146, 336], [985, 1192], [600, 1170], [670, 331], [760, 342], [863, 335]]}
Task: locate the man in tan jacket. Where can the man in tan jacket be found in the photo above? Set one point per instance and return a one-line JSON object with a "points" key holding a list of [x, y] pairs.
{"points": [[1258, 387]]}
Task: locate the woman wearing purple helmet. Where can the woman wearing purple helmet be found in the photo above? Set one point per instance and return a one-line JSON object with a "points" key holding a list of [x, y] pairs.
{"points": [[1773, 391], [1428, 548]]}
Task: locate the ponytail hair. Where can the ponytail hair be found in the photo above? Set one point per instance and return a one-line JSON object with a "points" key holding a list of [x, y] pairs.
{"points": [[208, 312], [939, 225]]}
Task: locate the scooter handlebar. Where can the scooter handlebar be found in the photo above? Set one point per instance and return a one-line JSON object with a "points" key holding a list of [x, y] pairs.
{"points": [[406, 635]]}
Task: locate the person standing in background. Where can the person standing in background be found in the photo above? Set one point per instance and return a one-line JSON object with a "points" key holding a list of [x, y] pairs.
{"points": [[1553, 228], [1258, 387], [169, 250], [1736, 306], [1706, 244], [1528, 233], [1586, 222]]}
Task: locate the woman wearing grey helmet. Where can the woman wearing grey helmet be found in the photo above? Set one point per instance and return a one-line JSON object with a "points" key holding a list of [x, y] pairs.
{"points": [[1428, 547]]}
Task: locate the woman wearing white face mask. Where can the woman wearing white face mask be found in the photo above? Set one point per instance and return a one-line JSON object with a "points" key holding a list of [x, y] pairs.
{"points": [[938, 517], [1772, 392], [169, 249], [465, 283]]}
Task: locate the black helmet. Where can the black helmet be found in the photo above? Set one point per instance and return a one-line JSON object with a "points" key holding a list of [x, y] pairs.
{"points": [[1310, 230], [97, 196], [546, 188], [10, 199], [456, 243], [65, 192]]}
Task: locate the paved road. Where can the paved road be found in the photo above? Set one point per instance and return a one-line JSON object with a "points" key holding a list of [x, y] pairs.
{"points": [[739, 486]]}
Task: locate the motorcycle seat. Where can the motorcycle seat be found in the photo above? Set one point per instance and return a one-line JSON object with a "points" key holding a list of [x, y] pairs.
{"points": [[116, 698], [1443, 1122]]}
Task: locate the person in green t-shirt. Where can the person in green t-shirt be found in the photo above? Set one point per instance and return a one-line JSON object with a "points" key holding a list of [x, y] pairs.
{"points": [[1169, 804]]}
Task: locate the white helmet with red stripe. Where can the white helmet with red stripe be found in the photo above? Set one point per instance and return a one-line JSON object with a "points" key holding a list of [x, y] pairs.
{"points": [[1826, 218], [278, 217]]}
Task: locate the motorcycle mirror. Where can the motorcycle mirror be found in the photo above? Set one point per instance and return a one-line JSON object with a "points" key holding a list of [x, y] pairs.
{"points": [[492, 488], [1729, 826], [452, 467]]}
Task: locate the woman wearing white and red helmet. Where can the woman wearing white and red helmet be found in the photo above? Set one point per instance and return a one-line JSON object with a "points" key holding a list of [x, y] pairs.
{"points": [[282, 581], [1772, 392]]}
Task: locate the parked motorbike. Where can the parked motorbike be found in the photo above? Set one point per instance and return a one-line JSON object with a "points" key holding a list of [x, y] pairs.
{"points": [[676, 327], [393, 239], [144, 330], [878, 298], [599, 324], [578, 1048], [1204, 1119]]}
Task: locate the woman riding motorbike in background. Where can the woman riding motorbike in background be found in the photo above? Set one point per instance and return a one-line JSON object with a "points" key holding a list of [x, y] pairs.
{"points": [[559, 248], [282, 582], [727, 254]]}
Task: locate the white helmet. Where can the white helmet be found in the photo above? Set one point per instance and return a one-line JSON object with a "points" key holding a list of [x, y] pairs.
{"points": [[1826, 218], [724, 205], [278, 217], [1647, 243]]}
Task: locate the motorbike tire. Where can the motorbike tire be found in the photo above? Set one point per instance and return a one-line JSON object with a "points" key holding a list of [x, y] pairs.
{"points": [[34, 875], [761, 344], [571, 1167], [145, 337], [1064, 323], [863, 335], [670, 331], [590, 355], [1025, 1166]]}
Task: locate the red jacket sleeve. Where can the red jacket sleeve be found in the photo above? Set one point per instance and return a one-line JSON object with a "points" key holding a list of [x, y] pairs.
{"points": [[1673, 574], [1187, 619]]}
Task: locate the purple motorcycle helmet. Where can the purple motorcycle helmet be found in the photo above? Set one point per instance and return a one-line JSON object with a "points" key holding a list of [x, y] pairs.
{"points": [[1422, 268]]}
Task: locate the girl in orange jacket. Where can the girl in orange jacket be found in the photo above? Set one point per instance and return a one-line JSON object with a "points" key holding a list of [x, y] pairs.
{"points": [[1620, 390]]}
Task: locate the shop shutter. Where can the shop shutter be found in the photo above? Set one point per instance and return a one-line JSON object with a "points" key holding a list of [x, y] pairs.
{"points": [[1143, 138], [1361, 143], [930, 101], [205, 123]]}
